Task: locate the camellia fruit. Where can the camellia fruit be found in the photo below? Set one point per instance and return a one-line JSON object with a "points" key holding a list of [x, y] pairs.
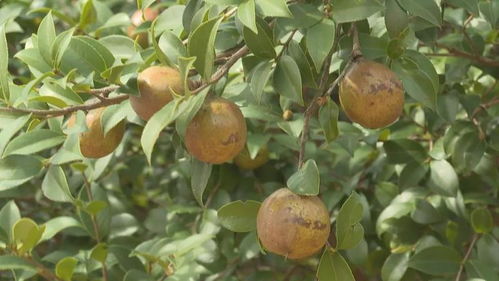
{"points": [[137, 19], [155, 84], [371, 94], [217, 133], [93, 142], [244, 161], [291, 225]]}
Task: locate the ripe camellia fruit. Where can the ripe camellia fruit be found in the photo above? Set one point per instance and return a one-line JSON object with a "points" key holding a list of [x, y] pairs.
{"points": [[137, 19], [155, 84], [291, 225], [93, 143], [217, 133], [244, 161], [371, 94]]}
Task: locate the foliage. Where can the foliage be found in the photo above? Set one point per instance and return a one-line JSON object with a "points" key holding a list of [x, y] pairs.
{"points": [[417, 200]]}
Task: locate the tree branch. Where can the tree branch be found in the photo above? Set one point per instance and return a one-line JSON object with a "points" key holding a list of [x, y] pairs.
{"points": [[458, 53], [223, 69], [466, 257], [68, 110]]}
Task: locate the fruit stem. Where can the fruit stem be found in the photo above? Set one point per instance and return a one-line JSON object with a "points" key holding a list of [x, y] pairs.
{"points": [[356, 49]]}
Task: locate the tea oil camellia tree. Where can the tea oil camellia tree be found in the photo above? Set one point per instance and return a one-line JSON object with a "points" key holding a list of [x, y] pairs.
{"points": [[249, 140]]}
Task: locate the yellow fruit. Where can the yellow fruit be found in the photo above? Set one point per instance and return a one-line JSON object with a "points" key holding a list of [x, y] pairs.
{"points": [[291, 225], [93, 143], [155, 84], [217, 133], [244, 161], [149, 15], [287, 115], [371, 94]]}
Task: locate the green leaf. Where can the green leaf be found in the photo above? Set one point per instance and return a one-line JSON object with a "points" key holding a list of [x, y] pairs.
{"points": [[436, 260], [395, 267], [349, 232], [58, 224], [468, 151], [426, 9], [172, 46], [416, 83], [4, 64], [304, 16], [55, 186], [185, 65], [11, 129], [99, 252], [482, 220], [319, 40], [46, 38], [185, 118], [246, 14], [26, 234], [65, 267], [470, 5], [425, 213], [404, 151], [88, 14], [260, 77], [287, 79], [275, 8], [18, 169], [156, 124], [200, 174], [328, 118], [239, 216], [443, 178], [396, 20], [304, 64], [122, 46], [60, 46], [9, 215], [425, 66], [333, 267], [305, 181], [123, 224], [14, 263], [489, 11], [95, 207], [113, 115], [87, 55], [262, 43], [201, 45], [348, 11], [33, 142], [385, 192]]}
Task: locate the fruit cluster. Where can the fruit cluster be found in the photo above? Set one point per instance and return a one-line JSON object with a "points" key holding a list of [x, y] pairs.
{"points": [[288, 224]]}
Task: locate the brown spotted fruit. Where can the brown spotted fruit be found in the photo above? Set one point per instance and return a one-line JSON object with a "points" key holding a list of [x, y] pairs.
{"points": [[291, 225], [244, 161], [93, 142], [371, 94], [138, 18], [156, 84], [217, 133]]}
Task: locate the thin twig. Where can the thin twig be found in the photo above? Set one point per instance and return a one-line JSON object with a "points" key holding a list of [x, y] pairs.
{"points": [[223, 69], [479, 59], [466, 257], [286, 44], [68, 110]]}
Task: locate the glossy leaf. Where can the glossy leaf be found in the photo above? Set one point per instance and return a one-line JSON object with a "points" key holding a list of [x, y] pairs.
{"points": [[320, 38], [404, 151], [33, 142], [349, 231], [246, 14], [65, 267], [262, 43], [276, 8], [348, 11], [11, 129], [443, 178], [15, 262], [328, 118], [437, 260], [9, 215], [395, 267], [482, 221], [26, 234], [18, 169], [396, 20], [333, 267], [46, 38], [55, 186], [4, 63], [306, 180], [201, 45], [259, 79], [426, 9], [199, 179], [239, 216], [287, 79]]}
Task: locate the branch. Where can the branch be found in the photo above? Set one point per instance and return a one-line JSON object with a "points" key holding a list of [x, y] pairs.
{"points": [[476, 58], [223, 69], [466, 257], [285, 44], [68, 110], [318, 100]]}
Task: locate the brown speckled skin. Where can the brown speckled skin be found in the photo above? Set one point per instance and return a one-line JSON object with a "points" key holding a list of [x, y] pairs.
{"points": [[293, 226], [245, 162], [155, 86], [93, 143], [217, 133], [371, 94]]}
